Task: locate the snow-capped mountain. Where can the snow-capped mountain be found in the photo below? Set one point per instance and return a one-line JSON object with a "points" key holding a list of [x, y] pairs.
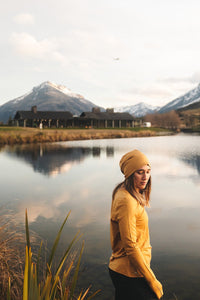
{"points": [[141, 109], [51, 97], [183, 101], [138, 110], [47, 96]]}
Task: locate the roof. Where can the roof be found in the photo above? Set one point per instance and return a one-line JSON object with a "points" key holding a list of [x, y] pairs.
{"points": [[107, 116], [54, 115]]}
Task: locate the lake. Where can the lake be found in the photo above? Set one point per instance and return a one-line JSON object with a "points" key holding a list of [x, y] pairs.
{"points": [[52, 179]]}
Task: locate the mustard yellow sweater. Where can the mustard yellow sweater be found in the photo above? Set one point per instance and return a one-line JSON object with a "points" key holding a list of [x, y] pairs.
{"points": [[129, 232]]}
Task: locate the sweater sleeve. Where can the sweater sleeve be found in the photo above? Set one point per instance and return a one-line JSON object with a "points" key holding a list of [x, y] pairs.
{"points": [[126, 215]]}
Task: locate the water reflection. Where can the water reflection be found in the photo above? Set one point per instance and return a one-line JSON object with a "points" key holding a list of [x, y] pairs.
{"points": [[54, 159], [193, 160], [57, 158], [86, 173]]}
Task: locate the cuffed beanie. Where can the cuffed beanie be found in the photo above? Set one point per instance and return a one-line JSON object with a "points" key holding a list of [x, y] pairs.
{"points": [[132, 161]]}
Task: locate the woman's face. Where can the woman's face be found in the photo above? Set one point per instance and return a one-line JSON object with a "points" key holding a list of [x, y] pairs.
{"points": [[141, 178]]}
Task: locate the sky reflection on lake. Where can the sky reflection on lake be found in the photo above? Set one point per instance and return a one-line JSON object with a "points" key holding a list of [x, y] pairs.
{"points": [[79, 176]]}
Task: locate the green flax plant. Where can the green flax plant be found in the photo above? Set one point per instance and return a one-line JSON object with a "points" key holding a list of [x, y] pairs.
{"points": [[58, 284]]}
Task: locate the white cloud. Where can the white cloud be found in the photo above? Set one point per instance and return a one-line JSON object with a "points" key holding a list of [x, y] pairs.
{"points": [[84, 50], [194, 78], [158, 48], [27, 45], [178, 85], [152, 91], [38, 69], [24, 19]]}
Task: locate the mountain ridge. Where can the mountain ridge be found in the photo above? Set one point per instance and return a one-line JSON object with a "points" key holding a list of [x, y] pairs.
{"points": [[47, 96], [183, 101], [191, 97], [138, 110]]}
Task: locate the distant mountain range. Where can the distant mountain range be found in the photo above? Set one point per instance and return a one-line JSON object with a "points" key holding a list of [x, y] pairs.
{"points": [[48, 97], [138, 110], [183, 101], [142, 109], [193, 106], [51, 97]]}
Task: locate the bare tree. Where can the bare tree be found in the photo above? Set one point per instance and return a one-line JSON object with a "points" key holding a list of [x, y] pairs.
{"points": [[169, 120]]}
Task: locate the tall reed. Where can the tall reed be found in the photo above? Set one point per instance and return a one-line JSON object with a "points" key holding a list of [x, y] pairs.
{"points": [[58, 284]]}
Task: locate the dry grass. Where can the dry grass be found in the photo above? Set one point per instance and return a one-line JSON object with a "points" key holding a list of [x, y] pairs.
{"points": [[13, 136], [11, 258]]}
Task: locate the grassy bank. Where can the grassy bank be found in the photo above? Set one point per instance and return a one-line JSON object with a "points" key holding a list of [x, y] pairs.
{"points": [[191, 130], [19, 135]]}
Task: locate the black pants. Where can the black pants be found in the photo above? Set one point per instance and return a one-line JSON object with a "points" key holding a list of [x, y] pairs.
{"points": [[127, 288]]}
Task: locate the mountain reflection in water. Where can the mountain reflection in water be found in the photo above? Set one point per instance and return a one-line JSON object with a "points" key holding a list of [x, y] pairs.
{"points": [[55, 159], [51, 179], [193, 160]]}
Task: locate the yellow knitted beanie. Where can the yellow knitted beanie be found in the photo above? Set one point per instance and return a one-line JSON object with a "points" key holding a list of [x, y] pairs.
{"points": [[132, 161]]}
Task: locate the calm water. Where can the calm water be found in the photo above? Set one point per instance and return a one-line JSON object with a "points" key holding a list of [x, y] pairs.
{"points": [[79, 176]]}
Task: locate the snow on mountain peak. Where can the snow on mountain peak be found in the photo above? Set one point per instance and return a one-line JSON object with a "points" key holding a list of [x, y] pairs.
{"points": [[138, 110], [189, 98], [45, 85], [61, 88]]}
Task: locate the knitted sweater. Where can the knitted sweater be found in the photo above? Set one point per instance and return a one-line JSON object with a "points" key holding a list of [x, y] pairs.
{"points": [[129, 232]]}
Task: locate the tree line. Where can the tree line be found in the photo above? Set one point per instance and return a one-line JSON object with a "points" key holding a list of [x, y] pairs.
{"points": [[169, 120]]}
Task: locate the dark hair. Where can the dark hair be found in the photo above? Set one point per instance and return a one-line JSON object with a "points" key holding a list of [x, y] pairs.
{"points": [[128, 184]]}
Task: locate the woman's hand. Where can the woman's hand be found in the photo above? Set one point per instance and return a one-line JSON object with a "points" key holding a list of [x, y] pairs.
{"points": [[157, 288]]}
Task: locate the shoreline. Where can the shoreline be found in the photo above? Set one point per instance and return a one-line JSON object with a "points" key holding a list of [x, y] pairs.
{"points": [[20, 135]]}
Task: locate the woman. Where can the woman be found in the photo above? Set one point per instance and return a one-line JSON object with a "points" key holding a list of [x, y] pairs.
{"points": [[129, 265]]}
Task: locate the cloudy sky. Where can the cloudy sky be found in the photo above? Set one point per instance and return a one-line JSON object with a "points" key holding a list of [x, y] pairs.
{"points": [[113, 52]]}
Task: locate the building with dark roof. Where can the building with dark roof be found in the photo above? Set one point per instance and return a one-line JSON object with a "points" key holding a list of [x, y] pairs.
{"points": [[49, 119], [94, 119], [105, 119]]}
